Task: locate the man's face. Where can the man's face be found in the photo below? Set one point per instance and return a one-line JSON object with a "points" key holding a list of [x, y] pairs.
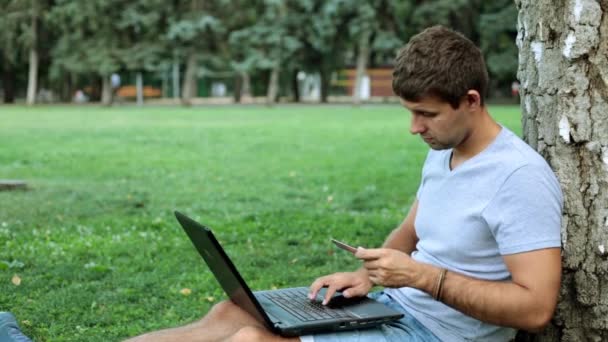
{"points": [[438, 124]]}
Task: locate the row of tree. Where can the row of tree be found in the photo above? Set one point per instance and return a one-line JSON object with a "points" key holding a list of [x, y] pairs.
{"points": [[62, 44]]}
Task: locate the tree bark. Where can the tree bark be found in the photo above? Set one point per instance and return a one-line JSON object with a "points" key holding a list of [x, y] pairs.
{"points": [[362, 59], [563, 70], [32, 81], [273, 86], [190, 87]]}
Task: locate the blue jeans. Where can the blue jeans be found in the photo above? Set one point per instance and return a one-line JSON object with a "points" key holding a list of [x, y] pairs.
{"points": [[407, 329]]}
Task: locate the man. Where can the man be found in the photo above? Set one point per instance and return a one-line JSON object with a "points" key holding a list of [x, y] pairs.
{"points": [[478, 255]]}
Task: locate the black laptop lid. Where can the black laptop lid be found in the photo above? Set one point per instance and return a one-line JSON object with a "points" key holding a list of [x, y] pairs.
{"points": [[223, 269]]}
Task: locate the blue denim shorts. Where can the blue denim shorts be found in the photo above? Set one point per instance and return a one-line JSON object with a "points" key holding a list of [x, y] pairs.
{"points": [[406, 329]]}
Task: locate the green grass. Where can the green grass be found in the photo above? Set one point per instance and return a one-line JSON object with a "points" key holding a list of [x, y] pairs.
{"points": [[95, 242]]}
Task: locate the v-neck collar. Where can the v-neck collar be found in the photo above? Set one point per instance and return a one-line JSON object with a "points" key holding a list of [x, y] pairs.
{"points": [[449, 155]]}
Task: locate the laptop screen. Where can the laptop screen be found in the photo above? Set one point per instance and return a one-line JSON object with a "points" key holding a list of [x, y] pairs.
{"points": [[221, 266]]}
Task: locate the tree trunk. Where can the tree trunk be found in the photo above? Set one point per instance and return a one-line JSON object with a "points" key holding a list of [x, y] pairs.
{"points": [[32, 81], [8, 83], [324, 84], [246, 86], [238, 85], [65, 92], [175, 76], [106, 90], [563, 70], [164, 76], [273, 86], [295, 86], [362, 58], [139, 85], [190, 87]]}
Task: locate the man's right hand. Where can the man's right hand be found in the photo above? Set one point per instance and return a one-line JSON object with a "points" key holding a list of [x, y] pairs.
{"points": [[352, 284]]}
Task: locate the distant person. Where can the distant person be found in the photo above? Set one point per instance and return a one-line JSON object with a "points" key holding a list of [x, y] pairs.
{"points": [[515, 89], [115, 82], [80, 96]]}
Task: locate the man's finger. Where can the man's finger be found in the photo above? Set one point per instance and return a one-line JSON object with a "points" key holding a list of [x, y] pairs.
{"points": [[369, 254], [374, 277], [357, 291], [372, 273], [371, 265], [316, 286], [330, 293]]}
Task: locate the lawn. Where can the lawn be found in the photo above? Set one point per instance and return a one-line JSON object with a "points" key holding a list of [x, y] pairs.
{"points": [[94, 242]]}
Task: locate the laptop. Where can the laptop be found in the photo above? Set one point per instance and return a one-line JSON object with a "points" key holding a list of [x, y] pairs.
{"points": [[288, 311]]}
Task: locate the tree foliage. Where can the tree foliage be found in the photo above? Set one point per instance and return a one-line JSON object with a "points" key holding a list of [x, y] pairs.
{"points": [[95, 38]]}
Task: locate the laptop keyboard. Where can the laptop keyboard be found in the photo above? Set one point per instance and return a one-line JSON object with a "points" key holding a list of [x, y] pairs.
{"points": [[296, 302]]}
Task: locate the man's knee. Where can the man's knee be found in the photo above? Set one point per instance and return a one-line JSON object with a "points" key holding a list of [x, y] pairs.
{"points": [[222, 310], [247, 334]]}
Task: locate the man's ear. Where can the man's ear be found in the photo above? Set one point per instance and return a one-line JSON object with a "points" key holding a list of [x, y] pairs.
{"points": [[473, 99]]}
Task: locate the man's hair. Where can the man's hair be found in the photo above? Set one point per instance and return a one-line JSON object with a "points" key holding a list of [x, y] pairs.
{"points": [[442, 63]]}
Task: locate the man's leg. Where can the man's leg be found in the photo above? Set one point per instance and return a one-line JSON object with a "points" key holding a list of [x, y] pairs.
{"points": [[224, 322], [9, 329]]}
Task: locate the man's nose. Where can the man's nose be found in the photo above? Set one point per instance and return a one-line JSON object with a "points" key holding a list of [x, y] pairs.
{"points": [[417, 126]]}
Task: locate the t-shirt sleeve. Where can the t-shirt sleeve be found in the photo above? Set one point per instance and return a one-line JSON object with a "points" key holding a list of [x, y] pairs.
{"points": [[419, 192], [525, 214]]}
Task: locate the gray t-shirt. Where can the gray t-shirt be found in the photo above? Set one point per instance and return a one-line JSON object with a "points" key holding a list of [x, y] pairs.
{"points": [[504, 200]]}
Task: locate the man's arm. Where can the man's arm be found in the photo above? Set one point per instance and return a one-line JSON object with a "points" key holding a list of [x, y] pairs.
{"points": [[403, 238], [526, 302]]}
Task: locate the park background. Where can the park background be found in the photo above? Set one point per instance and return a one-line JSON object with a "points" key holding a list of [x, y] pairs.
{"points": [[307, 145], [226, 51]]}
